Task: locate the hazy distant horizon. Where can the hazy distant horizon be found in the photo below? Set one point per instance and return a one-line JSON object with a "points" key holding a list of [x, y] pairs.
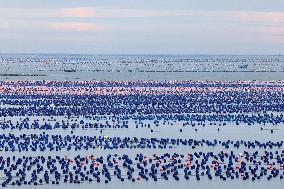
{"points": [[139, 54]]}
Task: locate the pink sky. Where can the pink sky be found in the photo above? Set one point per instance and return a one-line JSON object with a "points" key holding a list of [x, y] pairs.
{"points": [[166, 29]]}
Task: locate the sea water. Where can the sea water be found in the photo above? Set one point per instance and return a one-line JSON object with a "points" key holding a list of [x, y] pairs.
{"points": [[150, 67]]}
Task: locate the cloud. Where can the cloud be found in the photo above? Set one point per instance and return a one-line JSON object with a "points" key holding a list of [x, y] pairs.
{"points": [[102, 12], [240, 16], [73, 26], [259, 16], [76, 12], [20, 13], [88, 12], [239, 25], [20, 24]]}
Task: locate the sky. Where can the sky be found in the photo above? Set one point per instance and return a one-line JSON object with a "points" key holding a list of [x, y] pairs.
{"points": [[142, 26]]}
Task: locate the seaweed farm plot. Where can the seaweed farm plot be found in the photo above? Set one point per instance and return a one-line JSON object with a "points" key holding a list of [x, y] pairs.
{"points": [[135, 133]]}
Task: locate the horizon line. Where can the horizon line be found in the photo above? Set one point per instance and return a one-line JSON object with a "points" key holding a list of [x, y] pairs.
{"points": [[142, 54]]}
